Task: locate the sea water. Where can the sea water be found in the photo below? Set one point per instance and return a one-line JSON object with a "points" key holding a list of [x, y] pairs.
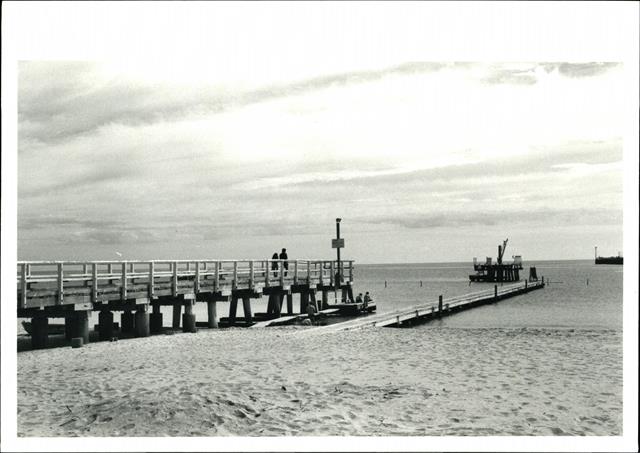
{"points": [[579, 294]]}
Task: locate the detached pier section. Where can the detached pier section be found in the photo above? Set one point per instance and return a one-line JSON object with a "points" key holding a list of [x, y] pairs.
{"points": [[409, 316], [72, 289]]}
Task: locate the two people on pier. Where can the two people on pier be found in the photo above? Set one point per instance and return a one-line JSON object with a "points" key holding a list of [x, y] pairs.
{"points": [[365, 301], [274, 262]]}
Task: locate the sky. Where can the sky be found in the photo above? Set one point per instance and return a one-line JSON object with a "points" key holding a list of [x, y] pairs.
{"points": [[259, 144], [424, 161]]}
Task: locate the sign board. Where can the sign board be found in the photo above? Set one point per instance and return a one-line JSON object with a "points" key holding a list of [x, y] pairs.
{"points": [[337, 243]]}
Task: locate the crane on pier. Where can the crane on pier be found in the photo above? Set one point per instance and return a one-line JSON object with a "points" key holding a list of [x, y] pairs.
{"points": [[501, 249]]}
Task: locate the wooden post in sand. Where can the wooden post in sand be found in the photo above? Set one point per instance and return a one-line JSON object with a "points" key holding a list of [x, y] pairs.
{"points": [[212, 316], [495, 292], [440, 305]]}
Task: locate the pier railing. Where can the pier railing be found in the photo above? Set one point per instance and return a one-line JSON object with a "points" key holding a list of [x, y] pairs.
{"points": [[44, 283]]}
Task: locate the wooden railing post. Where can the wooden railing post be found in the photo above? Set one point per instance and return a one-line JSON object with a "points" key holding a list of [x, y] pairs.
{"points": [[85, 269], [320, 277], [217, 276], [235, 274], [124, 280], [28, 270], [60, 283], [152, 288], [197, 285], [267, 273], [350, 271], [110, 268], [295, 272], [174, 286], [281, 273], [251, 274], [23, 285], [332, 276], [94, 286]]}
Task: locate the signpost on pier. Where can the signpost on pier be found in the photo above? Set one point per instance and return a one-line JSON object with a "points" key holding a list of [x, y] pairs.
{"points": [[337, 244]]}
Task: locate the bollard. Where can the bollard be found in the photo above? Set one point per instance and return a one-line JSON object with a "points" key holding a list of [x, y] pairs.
{"points": [[76, 342]]}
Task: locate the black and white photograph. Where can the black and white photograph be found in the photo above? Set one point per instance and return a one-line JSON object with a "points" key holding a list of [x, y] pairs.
{"points": [[320, 226]]}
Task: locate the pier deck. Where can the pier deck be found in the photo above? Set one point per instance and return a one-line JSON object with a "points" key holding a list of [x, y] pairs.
{"points": [[72, 289]]}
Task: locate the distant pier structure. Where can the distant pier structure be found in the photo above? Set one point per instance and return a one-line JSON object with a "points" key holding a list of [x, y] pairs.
{"points": [[608, 259], [499, 271], [73, 289]]}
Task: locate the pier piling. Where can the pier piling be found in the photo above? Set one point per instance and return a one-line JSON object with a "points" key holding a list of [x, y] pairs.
{"points": [[39, 336], [156, 319], [233, 308], [189, 318], [246, 306], [128, 322], [177, 310], [105, 325], [80, 326], [142, 321], [289, 302], [212, 316]]}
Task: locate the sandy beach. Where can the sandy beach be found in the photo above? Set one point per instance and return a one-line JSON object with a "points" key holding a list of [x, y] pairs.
{"points": [[282, 381]]}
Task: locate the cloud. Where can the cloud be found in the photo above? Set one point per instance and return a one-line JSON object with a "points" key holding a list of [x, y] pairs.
{"points": [[77, 99], [577, 70], [511, 76]]}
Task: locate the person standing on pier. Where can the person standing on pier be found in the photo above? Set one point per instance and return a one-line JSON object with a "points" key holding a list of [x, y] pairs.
{"points": [[274, 264], [285, 263]]}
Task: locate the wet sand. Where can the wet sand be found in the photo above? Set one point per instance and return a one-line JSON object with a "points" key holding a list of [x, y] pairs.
{"points": [[282, 381]]}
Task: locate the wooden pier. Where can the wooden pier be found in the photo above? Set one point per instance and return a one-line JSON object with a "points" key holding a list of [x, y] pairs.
{"points": [[73, 289], [425, 312]]}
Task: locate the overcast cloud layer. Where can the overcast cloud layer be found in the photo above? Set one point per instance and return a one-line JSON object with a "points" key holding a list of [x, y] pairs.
{"points": [[424, 161]]}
